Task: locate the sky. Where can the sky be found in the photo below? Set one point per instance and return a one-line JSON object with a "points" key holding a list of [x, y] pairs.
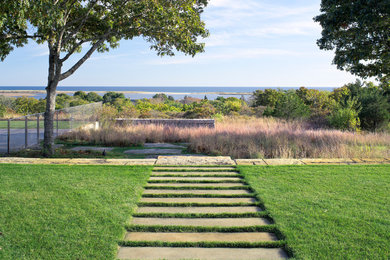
{"points": [[260, 43]]}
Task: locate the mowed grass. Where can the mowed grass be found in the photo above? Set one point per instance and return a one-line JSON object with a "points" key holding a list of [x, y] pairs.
{"points": [[328, 212], [32, 124], [66, 212]]}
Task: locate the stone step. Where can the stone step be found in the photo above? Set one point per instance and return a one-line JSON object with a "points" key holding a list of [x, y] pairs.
{"points": [[204, 222], [194, 173], [199, 237], [196, 184], [193, 168], [199, 200], [218, 192], [195, 178], [175, 253], [199, 210]]}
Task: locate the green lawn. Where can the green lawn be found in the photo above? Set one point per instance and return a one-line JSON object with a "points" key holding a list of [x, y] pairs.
{"points": [[66, 212], [328, 212]]}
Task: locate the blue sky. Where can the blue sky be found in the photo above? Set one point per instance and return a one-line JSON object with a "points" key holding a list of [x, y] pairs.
{"points": [[251, 43]]}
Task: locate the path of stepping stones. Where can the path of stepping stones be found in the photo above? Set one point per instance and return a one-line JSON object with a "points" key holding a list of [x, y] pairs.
{"points": [[200, 213]]}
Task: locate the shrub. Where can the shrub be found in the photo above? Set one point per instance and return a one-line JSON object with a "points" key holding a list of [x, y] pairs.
{"points": [[346, 117], [290, 106], [107, 116]]}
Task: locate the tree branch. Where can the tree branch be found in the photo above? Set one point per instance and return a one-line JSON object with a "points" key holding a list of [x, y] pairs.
{"points": [[83, 59], [83, 20], [12, 36], [73, 50]]}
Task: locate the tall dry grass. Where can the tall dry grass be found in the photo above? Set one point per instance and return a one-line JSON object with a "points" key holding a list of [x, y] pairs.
{"points": [[248, 138]]}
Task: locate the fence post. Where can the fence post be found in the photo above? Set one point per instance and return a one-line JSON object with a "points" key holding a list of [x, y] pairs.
{"points": [[37, 129], [25, 131], [57, 121], [71, 122], [9, 137]]}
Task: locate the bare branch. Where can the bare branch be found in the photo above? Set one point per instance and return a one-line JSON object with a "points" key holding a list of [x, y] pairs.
{"points": [[72, 50], [82, 60]]}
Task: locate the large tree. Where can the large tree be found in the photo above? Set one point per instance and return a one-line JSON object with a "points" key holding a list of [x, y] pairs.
{"points": [[359, 32], [66, 26]]}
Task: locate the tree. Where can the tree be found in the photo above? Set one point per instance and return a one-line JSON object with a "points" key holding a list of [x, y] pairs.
{"points": [[66, 26], [359, 33]]}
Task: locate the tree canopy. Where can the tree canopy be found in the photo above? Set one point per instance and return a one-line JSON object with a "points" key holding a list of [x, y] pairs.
{"points": [[359, 32], [66, 26]]}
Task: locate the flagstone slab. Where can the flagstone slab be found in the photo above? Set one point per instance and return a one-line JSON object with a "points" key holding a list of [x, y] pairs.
{"points": [[153, 151], [199, 237], [250, 162], [158, 173], [199, 210], [175, 253], [204, 222], [199, 200], [328, 161], [92, 148], [283, 161], [193, 160], [173, 184], [163, 145], [218, 192], [161, 178]]}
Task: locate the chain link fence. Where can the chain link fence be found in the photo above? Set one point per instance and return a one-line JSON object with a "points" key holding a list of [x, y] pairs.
{"points": [[28, 131]]}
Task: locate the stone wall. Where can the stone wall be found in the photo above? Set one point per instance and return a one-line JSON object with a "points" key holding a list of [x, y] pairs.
{"points": [[167, 122]]}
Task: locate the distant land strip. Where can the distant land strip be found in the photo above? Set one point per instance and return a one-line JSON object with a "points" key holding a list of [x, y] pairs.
{"points": [[13, 93]]}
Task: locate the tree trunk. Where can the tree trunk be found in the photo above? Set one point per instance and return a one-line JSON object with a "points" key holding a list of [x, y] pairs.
{"points": [[48, 141], [51, 91]]}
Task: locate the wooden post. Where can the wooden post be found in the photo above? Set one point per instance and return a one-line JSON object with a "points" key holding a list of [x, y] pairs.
{"points": [[38, 129], [25, 131], [57, 122], [9, 136]]}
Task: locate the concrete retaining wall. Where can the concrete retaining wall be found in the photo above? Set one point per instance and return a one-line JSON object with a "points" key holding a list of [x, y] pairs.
{"points": [[167, 122]]}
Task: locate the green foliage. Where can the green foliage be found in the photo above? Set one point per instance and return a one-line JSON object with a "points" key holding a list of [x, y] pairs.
{"points": [[358, 32], [107, 115], [267, 98], [321, 103], [93, 97], [3, 110], [201, 110], [290, 106], [26, 105], [346, 117], [375, 109], [80, 94], [111, 97]]}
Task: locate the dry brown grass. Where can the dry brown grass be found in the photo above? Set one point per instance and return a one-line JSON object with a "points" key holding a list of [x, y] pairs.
{"points": [[248, 138]]}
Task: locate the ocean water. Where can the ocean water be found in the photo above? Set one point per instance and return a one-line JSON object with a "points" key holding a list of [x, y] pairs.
{"points": [[176, 92]]}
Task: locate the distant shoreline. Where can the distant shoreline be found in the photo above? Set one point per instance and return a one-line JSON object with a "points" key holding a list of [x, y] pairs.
{"points": [[29, 93]]}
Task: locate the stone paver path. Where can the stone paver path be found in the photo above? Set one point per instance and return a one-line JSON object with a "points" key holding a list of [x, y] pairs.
{"points": [[199, 213]]}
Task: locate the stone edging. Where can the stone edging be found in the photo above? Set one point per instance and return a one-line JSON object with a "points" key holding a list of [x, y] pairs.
{"points": [[196, 160]]}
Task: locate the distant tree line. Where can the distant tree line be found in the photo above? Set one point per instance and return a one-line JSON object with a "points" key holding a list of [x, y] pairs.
{"points": [[353, 107]]}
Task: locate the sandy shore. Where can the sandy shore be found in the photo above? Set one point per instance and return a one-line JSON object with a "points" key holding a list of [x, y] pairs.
{"points": [[31, 93]]}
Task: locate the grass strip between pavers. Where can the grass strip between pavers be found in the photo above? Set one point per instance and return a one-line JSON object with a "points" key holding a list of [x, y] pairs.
{"points": [[199, 175], [197, 229], [196, 166], [246, 187], [196, 181], [263, 244], [260, 214], [192, 204], [185, 195], [197, 170]]}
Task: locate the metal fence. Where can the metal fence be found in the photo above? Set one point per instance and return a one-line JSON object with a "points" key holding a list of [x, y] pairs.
{"points": [[28, 131]]}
